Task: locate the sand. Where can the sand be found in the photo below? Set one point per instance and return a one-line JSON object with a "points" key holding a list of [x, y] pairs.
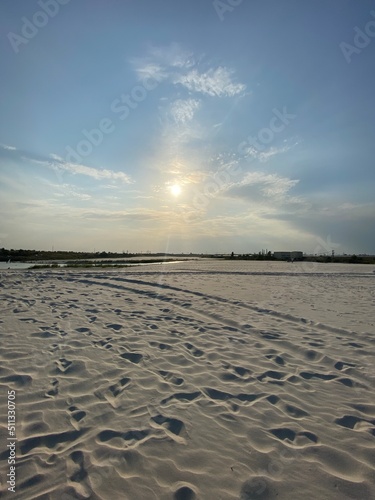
{"points": [[207, 380]]}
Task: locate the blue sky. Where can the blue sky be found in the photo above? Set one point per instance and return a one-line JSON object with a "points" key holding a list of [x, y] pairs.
{"points": [[200, 126]]}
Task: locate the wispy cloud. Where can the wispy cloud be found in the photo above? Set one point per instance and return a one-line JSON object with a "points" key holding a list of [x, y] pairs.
{"points": [[180, 67], [135, 215], [161, 62], [60, 166], [95, 173], [214, 82], [56, 157], [345, 211], [149, 69], [254, 184], [272, 184], [65, 190], [183, 110], [173, 55], [7, 147], [266, 154]]}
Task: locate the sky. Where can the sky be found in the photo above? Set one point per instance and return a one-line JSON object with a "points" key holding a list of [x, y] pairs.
{"points": [[188, 126]]}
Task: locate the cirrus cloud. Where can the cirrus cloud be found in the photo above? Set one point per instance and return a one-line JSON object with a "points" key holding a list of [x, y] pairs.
{"points": [[183, 110], [214, 82]]}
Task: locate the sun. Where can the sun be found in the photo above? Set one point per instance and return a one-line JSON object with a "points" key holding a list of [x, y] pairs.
{"points": [[176, 190]]}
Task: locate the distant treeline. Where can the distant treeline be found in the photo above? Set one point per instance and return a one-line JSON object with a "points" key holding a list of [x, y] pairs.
{"points": [[343, 259], [34, 255], [250, 256]]}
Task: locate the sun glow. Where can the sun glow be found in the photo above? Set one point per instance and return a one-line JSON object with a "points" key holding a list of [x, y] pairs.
{"points": [[175, 190]]}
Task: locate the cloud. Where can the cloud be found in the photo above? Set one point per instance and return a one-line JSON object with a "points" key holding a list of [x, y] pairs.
{"points": [[60, 166], [94, 173], [147, 69], [162, 61], [270, 185], [214, 82], [134, 215], [9, 148], [183, 110], [350, 224], [264, 156], [345, 211], [179, 67], [43, 163], [65, 190], [56, 157], [173, 55]]}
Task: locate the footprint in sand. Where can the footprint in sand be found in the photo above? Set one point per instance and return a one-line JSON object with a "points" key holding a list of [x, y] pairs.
{"points": [[295, 412], [132, 356], [54, 348], [54, 391], [171, 377], [172, 424], [114, 326], [117, 389], [273, 375], [43, 335], [84, 330], [322, 376], [78, 472], [351, 421], [182, 396], [184, 493], [153, 327], [18, 380], [29, 320], [160, 346], [63, 365], [285, 433], [277, 359], [258, 487], [341, 365], [103, 343], [239, 374], [195, 352], [76, 415], [134, 436]]}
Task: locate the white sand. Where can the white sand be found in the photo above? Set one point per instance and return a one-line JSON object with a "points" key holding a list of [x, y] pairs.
{"points": [[209, 380]]}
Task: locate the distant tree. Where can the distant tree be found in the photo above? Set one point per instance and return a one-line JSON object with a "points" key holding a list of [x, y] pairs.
{"points": [[353, 259]]}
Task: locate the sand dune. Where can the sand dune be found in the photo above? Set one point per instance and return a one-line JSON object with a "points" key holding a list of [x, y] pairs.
{"points": [[206, 380]]}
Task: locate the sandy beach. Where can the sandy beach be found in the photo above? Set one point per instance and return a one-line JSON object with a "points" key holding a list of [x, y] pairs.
{"points": [[208, 380]]}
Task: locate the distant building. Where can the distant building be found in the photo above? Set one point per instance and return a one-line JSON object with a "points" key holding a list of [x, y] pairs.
{"points": [[296, 255]]}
